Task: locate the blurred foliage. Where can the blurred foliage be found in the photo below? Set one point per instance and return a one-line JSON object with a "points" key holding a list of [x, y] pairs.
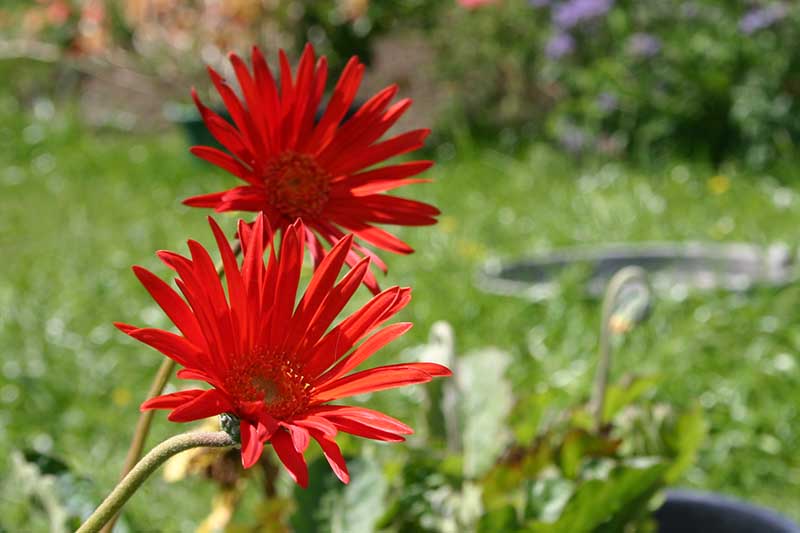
{"points": [[174, 40], [683, 77], [608, 77]]}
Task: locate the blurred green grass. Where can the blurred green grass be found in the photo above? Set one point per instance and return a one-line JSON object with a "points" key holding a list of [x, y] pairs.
{"points": [[78, 207]]}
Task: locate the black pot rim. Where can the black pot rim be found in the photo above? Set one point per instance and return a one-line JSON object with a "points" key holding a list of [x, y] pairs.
{"points": [[687, 504]]}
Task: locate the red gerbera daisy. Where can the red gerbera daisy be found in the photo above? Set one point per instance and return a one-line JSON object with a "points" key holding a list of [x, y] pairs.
{"points": [[274, 365], [297, 167]]}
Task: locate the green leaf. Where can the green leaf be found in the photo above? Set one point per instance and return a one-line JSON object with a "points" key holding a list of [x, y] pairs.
{"points": [[327, 505], [619, 396], [685, 440], [502, 519], [580, 445], [486, 401], [617, 498], [362, 503], [314, 503]]}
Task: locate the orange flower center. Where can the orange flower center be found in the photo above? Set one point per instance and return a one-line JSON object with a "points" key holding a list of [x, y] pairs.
{"points": [[296, 185], [271, 379]]}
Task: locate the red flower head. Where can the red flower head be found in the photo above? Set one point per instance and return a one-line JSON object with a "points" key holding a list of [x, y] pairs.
{"points": [[297, 167], [274, 365]]}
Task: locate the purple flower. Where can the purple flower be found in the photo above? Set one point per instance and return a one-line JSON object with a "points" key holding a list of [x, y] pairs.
{"points": [[573, 12], [644, 45], [761, 18], [559, 45], [689, 10], [607, 102], [572, 138]]}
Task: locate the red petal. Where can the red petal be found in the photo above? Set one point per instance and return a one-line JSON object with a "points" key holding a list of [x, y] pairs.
{"points": [[223, 131], [362, 415], [253, 100], [211, 402], [383, 209], [383, 174], [373, 235], [290, 264], [364, 351], [124, 328], [318, 289], [340, 339], [304, 95], [334, 456], [355, 427], [252, 447], [268, 97], [233, 277], [374, 379], [193, 374], [316, 423], [300, 437], [332, 305], [173, 346], [385, 185], [241, 118], [172, 304], [405, 142], [349, 133], [294, 461], [171, 401], [341, 99], [225, 162], [205, 200]]}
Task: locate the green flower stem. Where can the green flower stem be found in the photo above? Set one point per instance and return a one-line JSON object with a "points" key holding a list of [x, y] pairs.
{"points": [[631, 274], [125, 489], [146, 418]]}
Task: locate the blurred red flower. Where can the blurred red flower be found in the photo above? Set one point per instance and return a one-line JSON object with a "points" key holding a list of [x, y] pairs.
{"points": [[273, 365], [474, 4], [297, 166]]}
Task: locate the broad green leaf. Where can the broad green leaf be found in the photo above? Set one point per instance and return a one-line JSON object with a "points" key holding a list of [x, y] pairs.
{"points": [[621, 495], [315, 503], [329, 506], [485, 401], [685, 440], [362, 503]]}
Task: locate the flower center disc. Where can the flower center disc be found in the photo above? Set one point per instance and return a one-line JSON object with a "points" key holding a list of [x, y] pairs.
{"points": [[275, 383], [296, 185]]}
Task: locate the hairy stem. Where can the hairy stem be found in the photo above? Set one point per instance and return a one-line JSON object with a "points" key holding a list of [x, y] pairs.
{"points": [[131, 482]]}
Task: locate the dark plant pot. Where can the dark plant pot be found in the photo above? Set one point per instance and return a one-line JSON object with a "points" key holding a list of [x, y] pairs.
{"points": [[674, 268], [698, 512]]}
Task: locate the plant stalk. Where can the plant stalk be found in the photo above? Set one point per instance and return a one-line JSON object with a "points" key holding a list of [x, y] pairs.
{"points": [[631, 274], [134, 479]]}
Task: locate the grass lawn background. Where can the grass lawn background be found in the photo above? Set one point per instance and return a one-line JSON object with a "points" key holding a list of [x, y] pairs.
{"points": [[79, 207]]}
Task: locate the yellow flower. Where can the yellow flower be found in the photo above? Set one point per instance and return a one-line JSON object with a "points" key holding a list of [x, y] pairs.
{"points": [[719, 184], [121, 397]]}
